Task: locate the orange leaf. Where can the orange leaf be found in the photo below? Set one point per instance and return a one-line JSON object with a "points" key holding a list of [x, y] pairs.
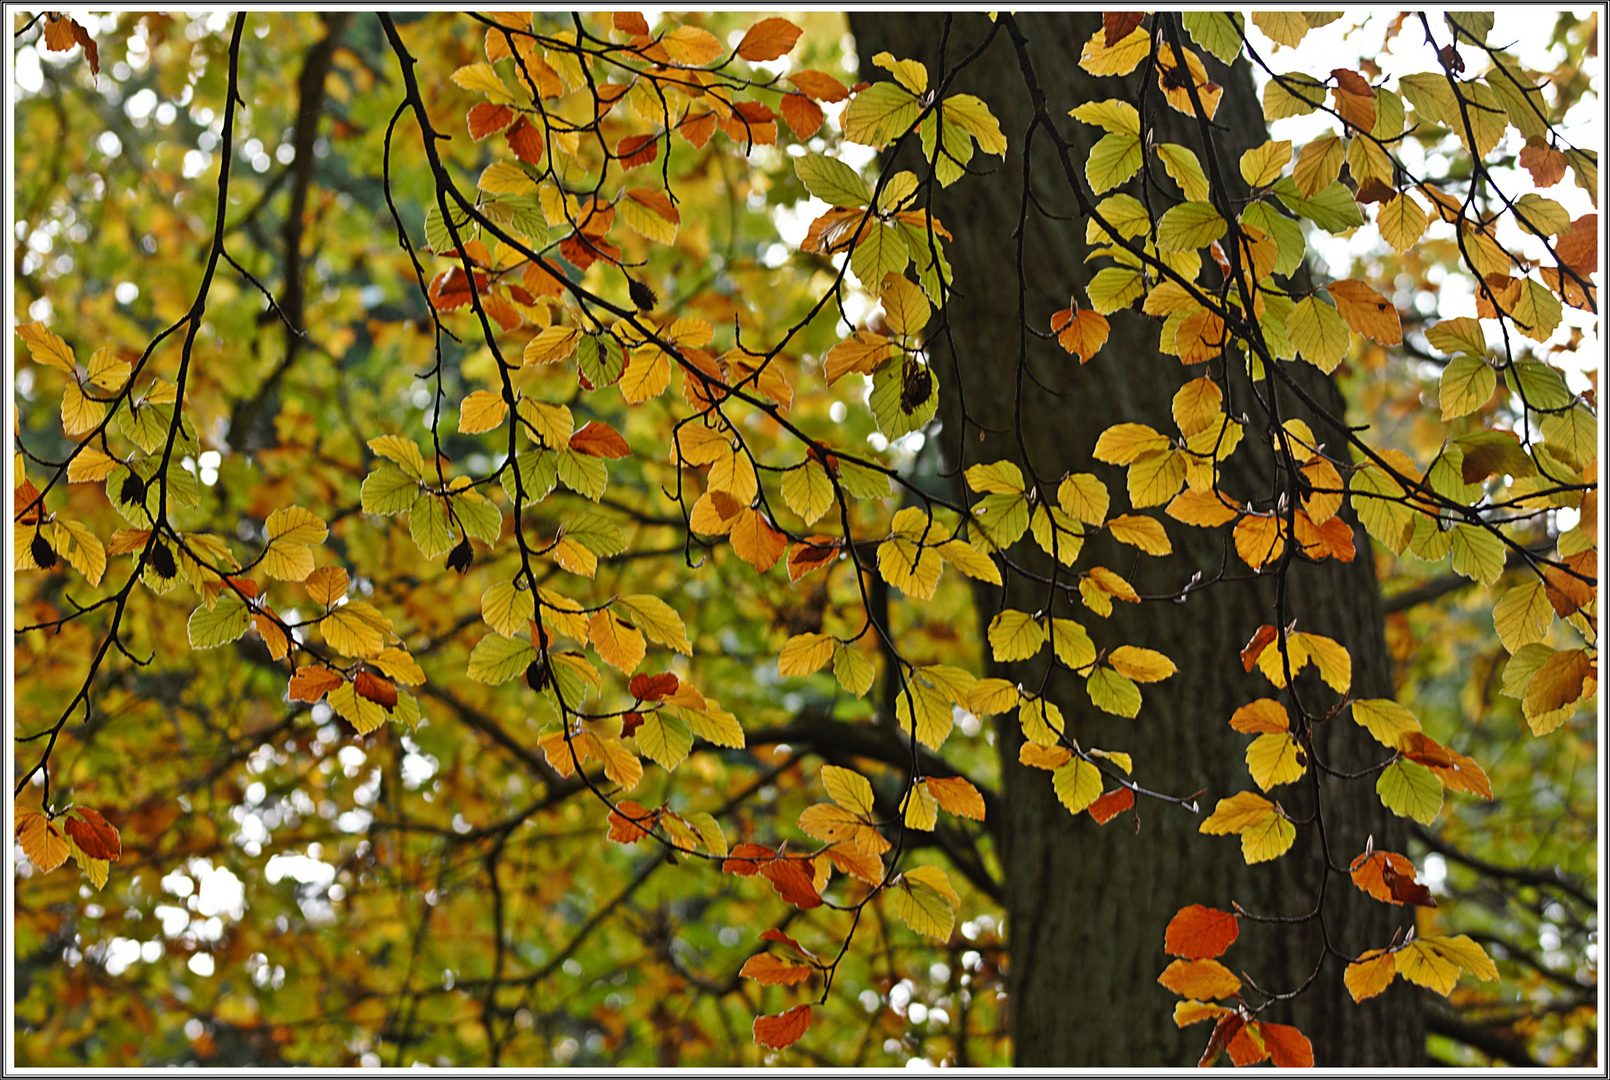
{"points": [[378, 690], [1366, 874], [1084, 334], [744, 860], [1288, 1047], [95, 836], [1226, 1029], [755, 541], [1546, 164], [635, 150], [804, 116], [1259, 540], [653, 687], [768, 39], [1367, 311], [632, 22], [1200, 933], [273, 637], [774, 934], [793, 882], [599, 440], [488, 119], [769, 970], [1200, 979], [697, 129], [1355, 100], [1265, 716], [1373, 973], [1117, 25], [1261, 640], [821, 86], [784, 1029], [1111, 805], [630, 821], [957, 796], [1245, 1047], [312, 682], [526, 141], [809, 554]]}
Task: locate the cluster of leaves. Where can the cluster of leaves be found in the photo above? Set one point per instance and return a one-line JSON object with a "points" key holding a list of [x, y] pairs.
{"points": [[596, 150]]}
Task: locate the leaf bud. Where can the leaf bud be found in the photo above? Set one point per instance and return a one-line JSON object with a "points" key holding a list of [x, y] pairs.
{"points": [[133, 489], [460, 557], [641, 294], [44, 555], [536, 674], [162, 562]]}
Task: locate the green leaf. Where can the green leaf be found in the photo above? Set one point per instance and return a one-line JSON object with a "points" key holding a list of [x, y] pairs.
{"points": [[600, 359], [1115, 287], [428, 525], [497, 659], [893, 406], [1113, 693], [1477, 553], [226, 621], [1219, 32], [1292, 94], [538, 474], [1332, 209], [1077, 784], [479, 517], [808, 491], [853, 671], [969, 114], [1113, 160], [507, 609], [1189, 226], [665, 738], [1385, 719], [1540, 385], [595, 532], [582, 473], [1318, 332], [1182, 164], [1409, 789], [880, 114], [1286, 233], [1467, 384], [832, 181], [1460, 335]]}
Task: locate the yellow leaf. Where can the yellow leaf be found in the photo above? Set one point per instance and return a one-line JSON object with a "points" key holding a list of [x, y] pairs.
{"points": [[287, 561], [1084, 498], [1523, 615], [848, 788], [87, 465], [1041, 721], [1077, 784], [1015, 635], [481, 78], [919, 811], [42, 840], [326, 585], [1267, 840], [1385, 719], [1155, 478], [1319, 333], [404, 452], [657, 619], [1259, 540], [970, 561], [1261, 717], [356, 628], [1123, 444], [1262, 165], [804, 653], [911, 568], [78, 413], [48, 349], [1142, 665], [1422, 963], [1275, 759], [107, 371], [399, 665], [646, 375], [1124, 56], [294, 525], [619, 644], [1240, 811], [1072, 644], [1371, 974], [1197, 405], [507, 609], [924, 900], [1140, 531], [481, 411]]}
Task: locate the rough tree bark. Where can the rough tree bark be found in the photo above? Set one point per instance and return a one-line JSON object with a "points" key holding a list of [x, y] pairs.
{"points": [[1086, 905]]}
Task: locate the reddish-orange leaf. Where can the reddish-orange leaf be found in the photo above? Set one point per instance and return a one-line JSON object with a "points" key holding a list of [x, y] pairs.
{"points": [[489, 119], [957, 796], [857, 863], [630, 722], [582, 253], [1566, 591], [745, 859], [1200, 933], [1199, 979], [1355, 100], [1084, 333], [751, 123], [810, 554], [1253, 649], [755, 541], [768, 39], [378, 690], [598, 439], [784, 1029], [543, 278], [1117, 25], [635, 150], [1366, 874], [1546, 164], [697, 128], [526, 141], [1288, 1047], [769, 970], [1111, 805], [1245, 1047], [632, 22], [1226, 1029], [630, 821], [245, 586], [653, 687], [774, 934], [450, 291], [22, 495], [819, 85], [804, 116], [312, 682], [95, 836], [1406, 890], [793, 881]]}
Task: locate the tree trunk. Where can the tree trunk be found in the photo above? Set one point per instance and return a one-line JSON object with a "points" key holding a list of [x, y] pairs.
{"points": [[1086, 905]]}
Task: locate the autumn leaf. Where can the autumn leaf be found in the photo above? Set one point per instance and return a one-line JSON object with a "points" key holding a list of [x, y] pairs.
{"points": [[1200, 933], [784, 1029], [769, 970]]}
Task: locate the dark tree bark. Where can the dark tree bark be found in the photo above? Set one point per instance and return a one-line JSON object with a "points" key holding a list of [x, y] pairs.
{"points": [[1086, 905]]}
